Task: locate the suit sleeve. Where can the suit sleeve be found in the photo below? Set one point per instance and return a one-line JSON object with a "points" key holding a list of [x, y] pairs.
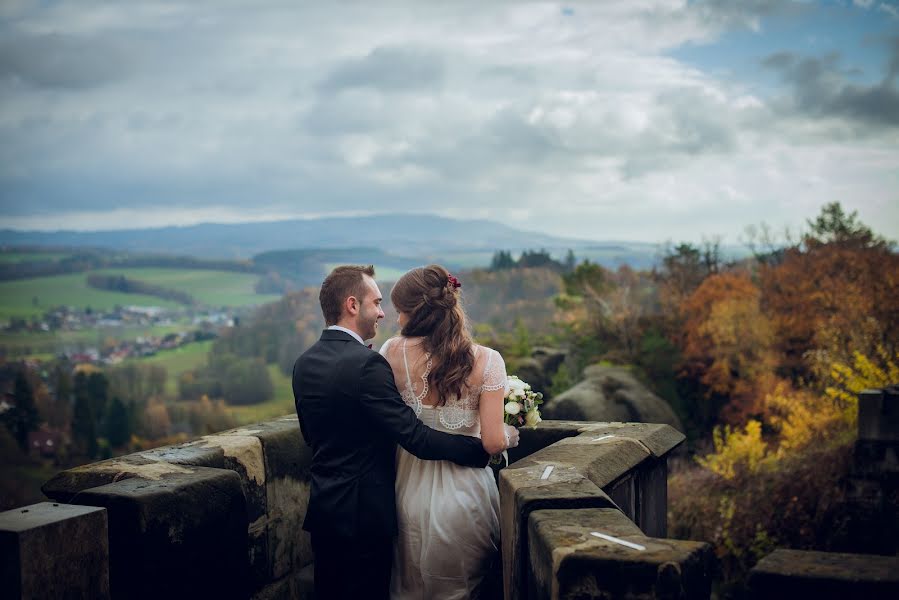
{"points": [[382, 404], [297, 394]]}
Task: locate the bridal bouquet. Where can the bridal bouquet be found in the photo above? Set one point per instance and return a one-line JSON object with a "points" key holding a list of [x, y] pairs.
{"points": [[520, 411], [522, 404]]}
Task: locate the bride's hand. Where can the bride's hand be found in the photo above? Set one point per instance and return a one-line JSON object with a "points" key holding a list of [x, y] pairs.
{"points": [[511, 436]]}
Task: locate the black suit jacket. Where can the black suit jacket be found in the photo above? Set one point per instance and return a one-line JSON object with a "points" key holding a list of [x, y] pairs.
{"points": [[352, 416]]}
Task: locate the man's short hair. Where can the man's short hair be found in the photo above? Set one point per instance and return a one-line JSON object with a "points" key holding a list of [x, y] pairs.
{"points": [[341, 283]]}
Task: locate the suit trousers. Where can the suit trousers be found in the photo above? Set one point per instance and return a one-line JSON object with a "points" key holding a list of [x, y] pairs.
{"points": [[352, 568]]}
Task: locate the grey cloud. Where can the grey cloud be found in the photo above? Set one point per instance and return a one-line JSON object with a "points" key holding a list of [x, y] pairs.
{"points": [[346, 113], [819, 88], [58, 60], [388, 69], [728, 13]]}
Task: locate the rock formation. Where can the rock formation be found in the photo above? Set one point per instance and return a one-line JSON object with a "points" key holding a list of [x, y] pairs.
{"points": [[610, 393]]}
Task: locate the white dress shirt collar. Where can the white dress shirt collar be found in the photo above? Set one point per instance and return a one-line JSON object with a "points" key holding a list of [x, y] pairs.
{"points": [[349, 331]]}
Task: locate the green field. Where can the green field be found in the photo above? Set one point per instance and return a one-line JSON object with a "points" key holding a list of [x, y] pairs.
{"points": [[212, 288], [25, 298], [33, 297]]}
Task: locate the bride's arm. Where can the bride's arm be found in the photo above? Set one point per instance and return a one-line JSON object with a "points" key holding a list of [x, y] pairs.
{"points": [[493, 434]]}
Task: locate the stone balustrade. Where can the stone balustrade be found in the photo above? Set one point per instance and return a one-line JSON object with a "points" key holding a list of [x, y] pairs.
{"points": [[222, 515], [583, 516], [219, 516]]}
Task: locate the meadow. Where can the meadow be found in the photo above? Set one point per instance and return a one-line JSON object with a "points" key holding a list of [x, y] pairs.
{"points": [[26, 298], [210, 288]]}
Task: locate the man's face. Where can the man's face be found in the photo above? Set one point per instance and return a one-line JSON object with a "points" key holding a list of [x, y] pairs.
{"points": [[370, 310]]}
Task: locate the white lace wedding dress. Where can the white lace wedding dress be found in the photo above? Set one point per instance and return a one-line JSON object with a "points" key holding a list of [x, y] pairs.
{"points": [[448, 515]]}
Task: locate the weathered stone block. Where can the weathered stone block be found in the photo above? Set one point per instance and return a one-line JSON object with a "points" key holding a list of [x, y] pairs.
{"points": [[523, 490], [624, 462], [627, 461], [288, 461], [53, 550], [183, 534], [658, 439], [546, 434], [273, 464], [878, 414], [567, 561], [803, 574], [151, 464]]}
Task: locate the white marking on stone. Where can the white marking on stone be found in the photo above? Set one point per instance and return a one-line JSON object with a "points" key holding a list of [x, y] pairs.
{"points": [[244, 447], [616, 540], [605, 437], [547, 471]]}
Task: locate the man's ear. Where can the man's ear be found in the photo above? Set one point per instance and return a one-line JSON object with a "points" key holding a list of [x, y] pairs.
{"points": [[351, 305]]}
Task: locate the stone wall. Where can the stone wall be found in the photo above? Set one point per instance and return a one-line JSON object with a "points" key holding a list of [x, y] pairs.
{"points": [[585, 517], [222, 515], [218, 516]]}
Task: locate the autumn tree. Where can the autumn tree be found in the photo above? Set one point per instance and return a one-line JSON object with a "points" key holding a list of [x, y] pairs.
{"points": [[835, 293], [683, 268], [727, 344]]}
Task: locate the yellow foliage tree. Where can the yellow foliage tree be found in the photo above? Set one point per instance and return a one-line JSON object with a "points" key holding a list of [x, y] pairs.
{"points": [[736, 450]]}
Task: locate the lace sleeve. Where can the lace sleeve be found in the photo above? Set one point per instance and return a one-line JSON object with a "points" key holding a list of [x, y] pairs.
{"points": [[495, 374]]}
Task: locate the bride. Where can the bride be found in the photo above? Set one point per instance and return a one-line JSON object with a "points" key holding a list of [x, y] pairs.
{"points": [[448, 515]]}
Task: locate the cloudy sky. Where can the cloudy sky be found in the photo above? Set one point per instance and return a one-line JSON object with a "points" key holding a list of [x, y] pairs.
{"points": [[639, 120]]}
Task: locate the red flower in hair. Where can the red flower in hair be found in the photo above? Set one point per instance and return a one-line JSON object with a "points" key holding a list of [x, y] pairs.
{"points": [[453, 281]]}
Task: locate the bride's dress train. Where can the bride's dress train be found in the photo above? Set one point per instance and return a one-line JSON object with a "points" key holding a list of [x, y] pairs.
{"points": [[448, 515]]}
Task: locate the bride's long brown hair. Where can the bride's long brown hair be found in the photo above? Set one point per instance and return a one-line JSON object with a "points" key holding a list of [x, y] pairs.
{"points": [[432, 300]]}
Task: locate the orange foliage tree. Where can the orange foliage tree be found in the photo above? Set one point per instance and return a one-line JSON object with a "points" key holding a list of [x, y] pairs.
{"points": [[834, 294], [727, 344]]}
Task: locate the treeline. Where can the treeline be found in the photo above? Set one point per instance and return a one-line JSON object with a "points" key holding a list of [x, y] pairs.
{"points": [[80, 260], [762, 358], [128, 285], [502, 260], [767, 356], [105, 412], [236, 380]]}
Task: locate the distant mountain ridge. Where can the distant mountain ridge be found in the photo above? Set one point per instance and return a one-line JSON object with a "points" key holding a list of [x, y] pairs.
{"points": [[399, 234]]}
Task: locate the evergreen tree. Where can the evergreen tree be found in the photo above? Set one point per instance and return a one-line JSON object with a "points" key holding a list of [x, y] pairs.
{"points": [[502, 259], [118, 424], [84, 426], [97, 391], [23, 417], [570, 261]]}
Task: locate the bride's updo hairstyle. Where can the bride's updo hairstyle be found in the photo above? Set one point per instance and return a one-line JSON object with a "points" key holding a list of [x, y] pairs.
{"points": [[430, 296]]}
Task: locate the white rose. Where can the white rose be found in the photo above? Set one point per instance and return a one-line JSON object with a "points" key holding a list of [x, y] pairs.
{"points": [[517, 386], [513, 408], [532, 418]]}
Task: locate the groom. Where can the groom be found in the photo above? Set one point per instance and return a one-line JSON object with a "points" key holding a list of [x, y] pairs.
{"points": [[352, 416]]}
